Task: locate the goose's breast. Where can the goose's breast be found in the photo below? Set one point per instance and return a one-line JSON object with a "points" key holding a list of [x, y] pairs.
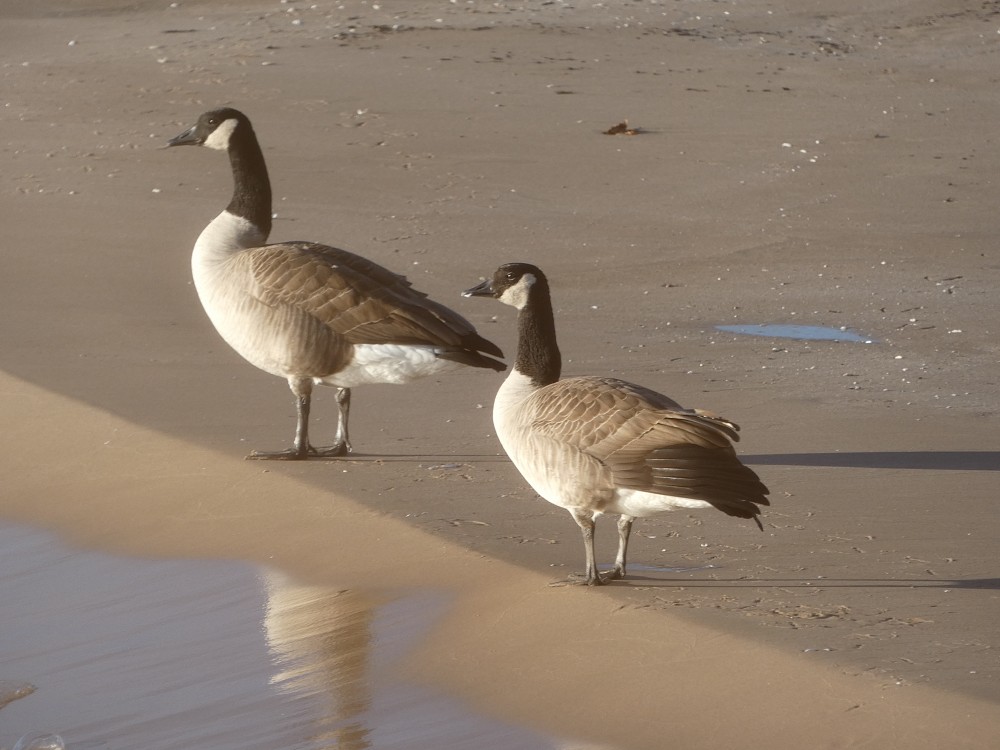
{"points": [[278, 338], [556, 469], [562, 475]]}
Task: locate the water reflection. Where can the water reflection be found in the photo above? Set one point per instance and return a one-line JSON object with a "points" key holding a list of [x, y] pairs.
{"points": [[321, 639], [116, 652], [336, 654], [40, 741]]}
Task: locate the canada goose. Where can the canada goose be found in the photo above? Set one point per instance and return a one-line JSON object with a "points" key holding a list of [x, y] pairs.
{"points": [[597, 445], [311, 313]]}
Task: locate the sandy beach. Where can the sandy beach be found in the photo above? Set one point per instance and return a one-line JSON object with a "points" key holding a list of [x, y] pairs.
{"points": [[794, 164]]}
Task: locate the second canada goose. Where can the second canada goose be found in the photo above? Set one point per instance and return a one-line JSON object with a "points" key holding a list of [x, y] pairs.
{"points": [[597, 445], [311, 313]]}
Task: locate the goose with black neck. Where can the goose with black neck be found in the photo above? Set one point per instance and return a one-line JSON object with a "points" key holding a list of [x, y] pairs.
{"points": [[311, 313], [596, 445]]}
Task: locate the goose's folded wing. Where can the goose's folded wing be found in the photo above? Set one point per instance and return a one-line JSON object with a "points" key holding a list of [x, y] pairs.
{"points": [[604, 415], [649, 443], [690, 456], [359, 300]]}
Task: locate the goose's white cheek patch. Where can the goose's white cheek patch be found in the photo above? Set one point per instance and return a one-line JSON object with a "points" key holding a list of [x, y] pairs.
{"points": [[219, 139], [517, 295]]}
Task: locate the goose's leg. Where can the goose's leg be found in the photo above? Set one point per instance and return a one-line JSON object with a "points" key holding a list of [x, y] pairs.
{"points": [[344, 407], [302, 448], [302, 388], [624, 529], [341, 444], [585, 520]]}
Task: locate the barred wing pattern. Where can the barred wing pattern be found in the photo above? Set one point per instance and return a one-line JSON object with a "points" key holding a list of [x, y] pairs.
{"points": [[356, 298], [644, 441]]}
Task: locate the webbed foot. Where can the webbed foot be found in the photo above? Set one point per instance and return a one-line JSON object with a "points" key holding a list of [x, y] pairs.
{"points": [[582, 579], [300, 454]]}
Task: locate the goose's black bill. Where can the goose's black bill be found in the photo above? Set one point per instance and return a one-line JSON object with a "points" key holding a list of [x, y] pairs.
{"points": [[485, 289], [189, 137]]}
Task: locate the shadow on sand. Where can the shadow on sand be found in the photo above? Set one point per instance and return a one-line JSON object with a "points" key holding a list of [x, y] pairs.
{"points": [[638, 581], [932, 460]]}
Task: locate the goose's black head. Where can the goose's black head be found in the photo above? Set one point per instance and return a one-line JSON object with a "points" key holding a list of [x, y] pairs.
{"points": [[213, 129], [511, 283]]}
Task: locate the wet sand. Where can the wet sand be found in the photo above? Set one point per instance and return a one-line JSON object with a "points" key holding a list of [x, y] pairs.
{"points": [[795, 165]]}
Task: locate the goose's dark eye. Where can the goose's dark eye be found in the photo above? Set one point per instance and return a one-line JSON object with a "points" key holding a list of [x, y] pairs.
{"points": [[511, 276]]}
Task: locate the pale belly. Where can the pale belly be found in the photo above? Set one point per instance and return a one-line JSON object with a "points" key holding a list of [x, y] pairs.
{"points": [[567, 485]]}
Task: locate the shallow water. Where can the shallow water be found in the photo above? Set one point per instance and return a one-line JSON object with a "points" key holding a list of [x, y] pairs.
{"points": [[809, 333], [172, 654]]}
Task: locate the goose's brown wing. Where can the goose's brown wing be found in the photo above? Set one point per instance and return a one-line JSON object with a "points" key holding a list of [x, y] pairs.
{"points": [[649, 443], [604, 416], [357, 299]]}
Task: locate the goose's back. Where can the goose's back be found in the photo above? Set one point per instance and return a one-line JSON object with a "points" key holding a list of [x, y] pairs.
{"points": [[358, 299]]}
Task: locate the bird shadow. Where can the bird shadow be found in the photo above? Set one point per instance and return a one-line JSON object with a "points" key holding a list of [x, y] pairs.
{"points": [[452, 459], [927, 460], [640, 581]]}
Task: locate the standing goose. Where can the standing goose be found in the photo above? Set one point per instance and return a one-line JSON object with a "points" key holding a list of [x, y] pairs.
{"points": [[311, 313], [597, 445]]}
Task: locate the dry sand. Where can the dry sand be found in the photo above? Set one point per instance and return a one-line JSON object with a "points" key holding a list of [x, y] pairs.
{"points": [[798, 163]]}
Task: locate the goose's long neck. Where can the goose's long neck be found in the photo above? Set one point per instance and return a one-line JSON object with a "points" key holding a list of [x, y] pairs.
{"points": [[246, 222], [538, 355], [251, 185]]}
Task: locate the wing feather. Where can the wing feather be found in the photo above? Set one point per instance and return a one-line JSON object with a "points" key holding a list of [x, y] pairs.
{"points": [[650, 443], [355, 298]]}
